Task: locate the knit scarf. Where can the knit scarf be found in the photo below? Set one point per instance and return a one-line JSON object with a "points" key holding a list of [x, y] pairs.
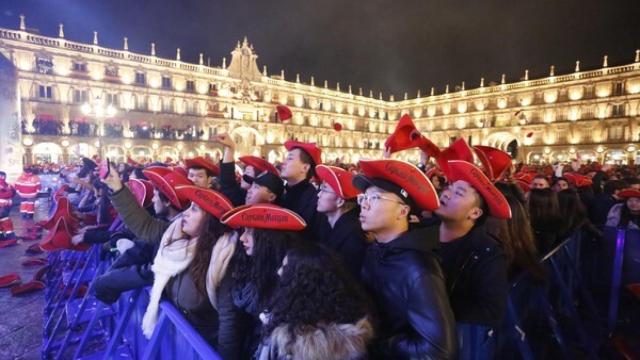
{"points": [[174, 256]]}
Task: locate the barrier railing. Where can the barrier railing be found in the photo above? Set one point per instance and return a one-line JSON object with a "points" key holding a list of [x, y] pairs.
{"points": [[88, 328]]}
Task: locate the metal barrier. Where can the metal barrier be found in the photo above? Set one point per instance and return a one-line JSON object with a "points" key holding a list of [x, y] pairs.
{"points": [[83, 327]]}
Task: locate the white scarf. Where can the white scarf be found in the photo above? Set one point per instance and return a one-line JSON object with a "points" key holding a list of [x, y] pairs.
{"points": [[175, 257]]}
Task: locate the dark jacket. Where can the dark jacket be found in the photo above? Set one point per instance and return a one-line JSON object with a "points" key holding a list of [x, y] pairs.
{"points": [[600, 207], [476, 271], [302, 198], [229, 186], [346, 238], [409, 289], [218, 327]]}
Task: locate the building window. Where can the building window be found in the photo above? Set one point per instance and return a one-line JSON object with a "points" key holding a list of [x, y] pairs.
{"points": [[79, 96], [167, 106], [44, 92], [166, 82], [79, 67], [45, 66], [141, 78], [617, 110], [191, 86], [112, 99], [111, 71], [616, 133], [618, 89]]}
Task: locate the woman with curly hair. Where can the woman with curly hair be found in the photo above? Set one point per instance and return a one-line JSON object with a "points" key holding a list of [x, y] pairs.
{"points": [[317, 312], [268, 232]]}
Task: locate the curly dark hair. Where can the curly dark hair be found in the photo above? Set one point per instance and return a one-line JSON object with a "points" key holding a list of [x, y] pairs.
{"points": [[269, 248], [315, 289]]}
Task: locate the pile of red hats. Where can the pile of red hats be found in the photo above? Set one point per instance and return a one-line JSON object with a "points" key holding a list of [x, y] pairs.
{"points": [[13, 281]]}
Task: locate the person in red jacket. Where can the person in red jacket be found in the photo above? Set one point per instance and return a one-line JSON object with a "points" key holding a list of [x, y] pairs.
{"points": [[6, 195], [27, 187]]}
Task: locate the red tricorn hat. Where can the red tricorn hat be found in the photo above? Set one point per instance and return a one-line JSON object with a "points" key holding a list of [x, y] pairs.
{"points": [[29, 287], [412, 184], [261, 165], [167, 183], [263, 216], [201, 162], [628, 193], [209, 200], [524, 186], [459, 150], [434, 171], [525, 177], [578, 180], [181, 170], [494, 161], [60, 238], [9, 279], [340, 180], [310, 148], [407, 136], [142, 190], [466, 171], [62, 210], [284, 113]]}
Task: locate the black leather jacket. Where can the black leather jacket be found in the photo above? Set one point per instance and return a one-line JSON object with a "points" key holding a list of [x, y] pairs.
{"points": [[409, 288]]}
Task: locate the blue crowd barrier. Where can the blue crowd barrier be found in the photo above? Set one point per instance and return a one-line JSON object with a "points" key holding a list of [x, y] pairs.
{"points": [[85, 328]]}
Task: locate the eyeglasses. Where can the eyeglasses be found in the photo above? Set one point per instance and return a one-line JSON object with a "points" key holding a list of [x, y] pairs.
{"points": [[323, 189], [374, 198]]}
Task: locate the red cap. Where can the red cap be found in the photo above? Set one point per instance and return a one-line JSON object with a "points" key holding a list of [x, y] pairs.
{"points": [[209, 200], [204, 163], [459, 150], [628, 193], [466, 171], [407, 136], [494, 161], [413, 183], [523, 185], [259, 164], [340, 180], [284, 113], [142, 190], [337, 127], [310, 148], [263, 216], [167, 183], [526, 177]]}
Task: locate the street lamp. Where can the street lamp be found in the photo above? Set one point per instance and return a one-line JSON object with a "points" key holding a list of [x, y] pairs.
{"points": [[100, 113]]}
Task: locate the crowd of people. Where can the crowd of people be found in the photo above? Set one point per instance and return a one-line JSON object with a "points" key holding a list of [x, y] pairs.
{"points": [[304, 260]]}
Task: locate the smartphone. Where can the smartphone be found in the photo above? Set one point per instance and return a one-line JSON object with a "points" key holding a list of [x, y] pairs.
{"points": [[105, 170]]}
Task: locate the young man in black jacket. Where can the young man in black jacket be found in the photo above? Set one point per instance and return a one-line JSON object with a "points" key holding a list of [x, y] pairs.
{"points": [[400, 268], [341, 232], [473, 261]]}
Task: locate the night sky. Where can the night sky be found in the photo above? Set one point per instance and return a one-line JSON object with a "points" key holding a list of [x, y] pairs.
{"points": [[388, 46]]}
